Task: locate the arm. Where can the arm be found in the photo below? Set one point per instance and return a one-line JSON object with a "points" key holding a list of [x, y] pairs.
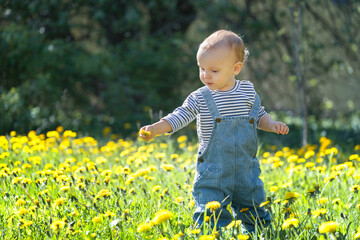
{"points": [[180, 118], [155, 129], [270, 125]]}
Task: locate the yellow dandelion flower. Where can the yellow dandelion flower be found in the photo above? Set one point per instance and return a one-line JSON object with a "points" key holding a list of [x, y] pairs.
{"points": [[58, 202], [33, 208], [144, 133], [328, 227], [336, 201], [332, 151], [96, 220], [156, 188], [161, 216], [28, 223], [179, 199], [319, 212], [355, 188], [102, 193], [274, 189], [174, 156], [182, 139], [311, 191], [287, 210], [195, 231], [57, 225], [233, 223], [292, 158], [74, 213], [244, 209], [329, 179], [167, 167], [323, 200], [357, 235], [288, 184], [106, 173], [207, 237], [309, 154], [109, 214], [213, 206], [20, 202], [309, 164], [129, 180], [27, 181], [301, 160], [292, 196], [60, 129], [17, 180], [143, 227], [177, 236], [22, 211], [164, 192], [132, 190], [160, 155], [264, 203], [64, 188], [243, 237], [69, 133], [107, 179], [290, 222]]}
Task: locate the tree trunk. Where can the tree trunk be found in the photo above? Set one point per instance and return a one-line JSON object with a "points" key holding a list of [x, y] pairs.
{"points": [[296, 26]]}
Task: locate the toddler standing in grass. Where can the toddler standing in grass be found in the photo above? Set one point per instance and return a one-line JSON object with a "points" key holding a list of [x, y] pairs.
{"points": [[228, 113]]}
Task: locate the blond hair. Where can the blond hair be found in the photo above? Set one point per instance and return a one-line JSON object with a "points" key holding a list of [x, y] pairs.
{"points": [[228, 39]]}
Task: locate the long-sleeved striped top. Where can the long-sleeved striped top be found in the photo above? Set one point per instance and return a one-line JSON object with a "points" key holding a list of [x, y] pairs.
{"points": [[235, 102]]}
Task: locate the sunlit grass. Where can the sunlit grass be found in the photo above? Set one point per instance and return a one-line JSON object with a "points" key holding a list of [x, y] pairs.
{"points": [[59, 185]]}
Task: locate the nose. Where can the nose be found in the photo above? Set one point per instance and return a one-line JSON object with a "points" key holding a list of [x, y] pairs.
{"points": [[207, 75]]}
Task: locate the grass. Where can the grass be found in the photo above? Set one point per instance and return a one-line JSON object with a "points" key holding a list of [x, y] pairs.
{"points": [[59, 185]]}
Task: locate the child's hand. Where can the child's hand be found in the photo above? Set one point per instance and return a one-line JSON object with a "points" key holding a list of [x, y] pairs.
{"points": [[146, 133], [280, 128]]}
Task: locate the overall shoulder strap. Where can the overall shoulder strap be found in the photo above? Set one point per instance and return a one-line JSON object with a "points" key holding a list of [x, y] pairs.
{"points": [[210, 102], [254, 112]]}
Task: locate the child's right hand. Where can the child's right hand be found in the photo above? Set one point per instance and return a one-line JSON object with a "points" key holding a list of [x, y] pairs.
{"points": [[147, 133], [150, 131]]}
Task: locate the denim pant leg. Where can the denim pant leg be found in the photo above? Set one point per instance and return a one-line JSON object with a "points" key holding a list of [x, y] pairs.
{"points": [[202, 197]]}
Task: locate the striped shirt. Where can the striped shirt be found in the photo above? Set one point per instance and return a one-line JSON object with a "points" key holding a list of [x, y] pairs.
{"points": [[235, 102]]}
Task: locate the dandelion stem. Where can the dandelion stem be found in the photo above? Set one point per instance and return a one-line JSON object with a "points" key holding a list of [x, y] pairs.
{"points": [[27, 193]]}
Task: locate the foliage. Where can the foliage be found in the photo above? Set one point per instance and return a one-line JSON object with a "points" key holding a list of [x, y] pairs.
{"points": [[68, 66], [61, 185], [90, 64]]}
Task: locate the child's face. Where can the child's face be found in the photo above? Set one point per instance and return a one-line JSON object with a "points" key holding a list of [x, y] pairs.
{"points": [[218, 68]]}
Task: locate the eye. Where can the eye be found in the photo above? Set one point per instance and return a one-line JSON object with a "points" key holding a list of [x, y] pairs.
{"points": [[214, 71]]}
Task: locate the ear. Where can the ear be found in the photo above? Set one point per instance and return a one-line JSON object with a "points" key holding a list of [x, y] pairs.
{"points": [[237, 67]]}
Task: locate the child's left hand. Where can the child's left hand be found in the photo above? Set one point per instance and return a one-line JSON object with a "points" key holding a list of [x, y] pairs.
{"points": [[280, 128]]}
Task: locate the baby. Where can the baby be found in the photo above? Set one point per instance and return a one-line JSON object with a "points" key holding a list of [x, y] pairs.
{"points": [[228, 113]]}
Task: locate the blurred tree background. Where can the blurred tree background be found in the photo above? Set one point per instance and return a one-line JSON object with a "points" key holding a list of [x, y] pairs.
{"points": [[90, 64]]}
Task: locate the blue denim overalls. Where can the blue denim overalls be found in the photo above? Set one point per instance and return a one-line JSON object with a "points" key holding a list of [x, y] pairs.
{"points": [[228, 169]]}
